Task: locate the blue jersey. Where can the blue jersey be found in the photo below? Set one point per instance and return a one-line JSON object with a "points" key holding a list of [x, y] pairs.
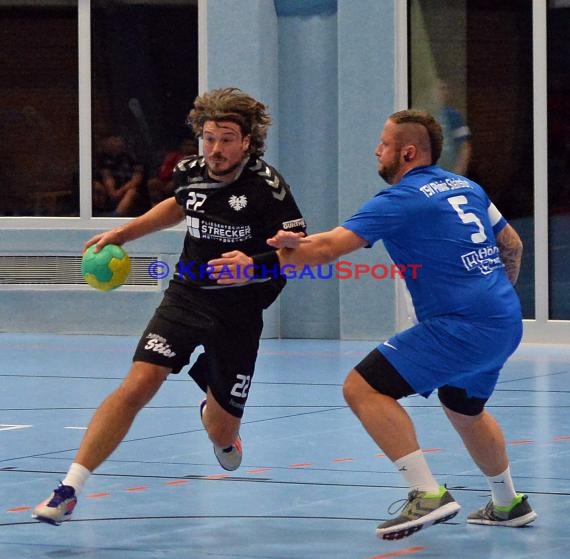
{"points": [[446, 224]]}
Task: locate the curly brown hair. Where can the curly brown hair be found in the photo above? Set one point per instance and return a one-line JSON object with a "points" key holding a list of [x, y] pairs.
{"points": [[432, 127], [231, 104]]}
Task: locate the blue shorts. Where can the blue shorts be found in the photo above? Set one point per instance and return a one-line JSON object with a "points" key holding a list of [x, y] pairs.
{"points": [[452, 351]]}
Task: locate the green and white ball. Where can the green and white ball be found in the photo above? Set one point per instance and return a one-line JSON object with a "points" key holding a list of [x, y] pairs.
{"points": [[107, 269]]}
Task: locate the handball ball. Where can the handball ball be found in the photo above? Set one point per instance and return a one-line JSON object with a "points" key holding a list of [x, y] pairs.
{"points": [[107, 269]]}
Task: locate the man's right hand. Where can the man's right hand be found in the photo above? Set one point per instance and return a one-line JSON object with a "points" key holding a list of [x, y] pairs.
{"points": [[112, 237]]}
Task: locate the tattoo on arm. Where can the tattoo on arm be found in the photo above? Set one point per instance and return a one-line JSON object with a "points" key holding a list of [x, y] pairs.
{"points": [[511, 248]]}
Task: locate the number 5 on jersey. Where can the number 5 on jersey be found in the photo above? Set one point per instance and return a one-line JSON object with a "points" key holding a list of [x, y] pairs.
{"points": [[467, 218]]}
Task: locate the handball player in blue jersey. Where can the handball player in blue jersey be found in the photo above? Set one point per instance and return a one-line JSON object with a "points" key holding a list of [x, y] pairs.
{"points": [[467, 318]]}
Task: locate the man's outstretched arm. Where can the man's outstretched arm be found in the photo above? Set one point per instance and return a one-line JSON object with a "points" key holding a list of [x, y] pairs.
{"points": [[320, 248], [313, 250]]}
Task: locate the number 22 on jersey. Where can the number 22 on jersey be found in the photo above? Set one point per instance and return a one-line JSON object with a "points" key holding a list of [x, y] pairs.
{"points": [[195, 200]]}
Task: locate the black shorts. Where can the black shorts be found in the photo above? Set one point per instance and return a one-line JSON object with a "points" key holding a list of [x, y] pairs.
{"points": [[228, 323], [381, 375]]}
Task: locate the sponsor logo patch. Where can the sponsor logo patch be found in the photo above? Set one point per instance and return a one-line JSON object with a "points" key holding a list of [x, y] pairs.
{"points": [[158, 344]]}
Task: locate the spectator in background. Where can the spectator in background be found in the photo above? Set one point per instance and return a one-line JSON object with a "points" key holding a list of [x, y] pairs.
{"points": [[456, 152], [161, 186], [119, 188]]}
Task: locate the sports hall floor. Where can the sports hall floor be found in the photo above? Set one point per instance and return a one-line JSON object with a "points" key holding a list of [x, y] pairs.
{"points": [[311, 486]]}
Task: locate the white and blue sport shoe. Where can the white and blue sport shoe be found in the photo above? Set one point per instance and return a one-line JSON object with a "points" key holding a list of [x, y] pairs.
{"points": [[58, 507]]}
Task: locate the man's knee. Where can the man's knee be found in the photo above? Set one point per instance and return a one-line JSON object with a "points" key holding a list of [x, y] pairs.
{"points": [[142, 383], [353, 388], [377, 374]]}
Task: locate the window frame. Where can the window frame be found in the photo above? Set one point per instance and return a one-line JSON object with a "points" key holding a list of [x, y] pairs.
{"points": [[85, 220], [540, 329]]}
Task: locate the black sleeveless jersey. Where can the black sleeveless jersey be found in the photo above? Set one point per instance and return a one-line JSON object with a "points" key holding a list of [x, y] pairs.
{"points": [[240, 215]]}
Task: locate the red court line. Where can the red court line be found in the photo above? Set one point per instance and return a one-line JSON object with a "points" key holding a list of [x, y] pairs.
{"points": [[177, 482], [305, 465], [343, 460], [216, 476], [19, 509], [432, 449], [139, 488], [259, 470], [562, 438], [406, 551], [97, 495], [521, 442]]}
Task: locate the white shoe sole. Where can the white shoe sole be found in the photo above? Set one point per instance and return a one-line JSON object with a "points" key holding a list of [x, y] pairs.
{"points": [[514, 523], [441, 514], [48, 520]]}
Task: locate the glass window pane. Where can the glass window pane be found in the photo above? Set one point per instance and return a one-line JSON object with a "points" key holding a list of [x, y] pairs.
{"points": [[471, 65], [39, 118], [558, 65], [144, 81]]}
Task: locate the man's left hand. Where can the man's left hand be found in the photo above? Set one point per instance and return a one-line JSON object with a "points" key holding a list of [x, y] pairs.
{"points": [[231, 268]]}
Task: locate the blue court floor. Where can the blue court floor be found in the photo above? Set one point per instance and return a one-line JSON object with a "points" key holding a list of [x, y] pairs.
{"points": [[312, 484]]}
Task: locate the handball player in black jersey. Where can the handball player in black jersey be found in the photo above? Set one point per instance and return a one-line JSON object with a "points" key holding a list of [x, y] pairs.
{"points": [[232, 201]]}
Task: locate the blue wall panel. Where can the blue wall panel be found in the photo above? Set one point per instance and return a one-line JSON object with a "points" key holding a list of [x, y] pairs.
{"points": [[366, 99], [308, 152]]}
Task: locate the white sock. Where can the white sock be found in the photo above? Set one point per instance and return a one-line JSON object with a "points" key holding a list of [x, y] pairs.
{"points": [[76, 476], [416, 472], [502, 488]]}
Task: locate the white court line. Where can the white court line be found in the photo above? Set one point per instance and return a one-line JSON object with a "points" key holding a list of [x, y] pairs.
{"points": [[6, 427], [80, 428]]}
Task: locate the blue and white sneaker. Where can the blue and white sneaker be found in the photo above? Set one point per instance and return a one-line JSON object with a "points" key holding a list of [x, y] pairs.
{"points": [[230, 457], [58, 507]]}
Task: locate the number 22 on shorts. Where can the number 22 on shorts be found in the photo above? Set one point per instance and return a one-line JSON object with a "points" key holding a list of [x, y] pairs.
{"points": [[241, 387]]}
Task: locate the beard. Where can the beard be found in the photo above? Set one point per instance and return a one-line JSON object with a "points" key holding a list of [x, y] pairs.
{"points": [[389, 172], [212, 170]]}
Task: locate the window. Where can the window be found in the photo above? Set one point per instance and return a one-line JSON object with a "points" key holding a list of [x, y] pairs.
{"points": [[39, 121], [471, 65], [143, 81], [144, 64], [558, 67]]}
